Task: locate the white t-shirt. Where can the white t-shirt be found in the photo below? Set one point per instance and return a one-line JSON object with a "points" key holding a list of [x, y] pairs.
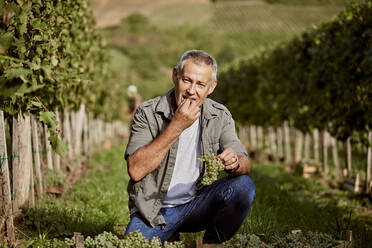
{"points": [[186, 169]]}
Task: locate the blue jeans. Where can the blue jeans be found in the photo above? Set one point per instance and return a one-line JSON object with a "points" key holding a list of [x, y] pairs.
{"points": [[219, 210]]}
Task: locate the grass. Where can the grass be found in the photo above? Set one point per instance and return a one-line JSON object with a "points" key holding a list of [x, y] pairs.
{"points": [[284, 202], [96, 203], [287, 202]]}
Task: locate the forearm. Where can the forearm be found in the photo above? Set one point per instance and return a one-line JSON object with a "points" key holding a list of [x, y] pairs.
{"points": [[148, 158], [244, 165]]}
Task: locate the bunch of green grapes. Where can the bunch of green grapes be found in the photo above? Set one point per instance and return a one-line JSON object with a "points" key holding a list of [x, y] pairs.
{"points": [[213, 166]]}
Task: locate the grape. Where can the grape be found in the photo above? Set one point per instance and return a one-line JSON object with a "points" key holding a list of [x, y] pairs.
{"points": [[213, 166]]}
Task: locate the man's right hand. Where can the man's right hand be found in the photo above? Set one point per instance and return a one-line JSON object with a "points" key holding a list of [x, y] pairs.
{"points": [[148, 157], [186, 114]]}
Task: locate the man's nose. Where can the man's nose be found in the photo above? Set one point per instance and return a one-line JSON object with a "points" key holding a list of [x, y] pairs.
{"points": [[191, 89]]}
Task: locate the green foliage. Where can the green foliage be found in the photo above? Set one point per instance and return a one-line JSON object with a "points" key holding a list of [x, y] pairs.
{"points": [[52, 57], [213, 167], [320, 79], [107, 239]]}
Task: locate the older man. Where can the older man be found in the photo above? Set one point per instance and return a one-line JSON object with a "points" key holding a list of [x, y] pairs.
{"points": [[168, 135]]}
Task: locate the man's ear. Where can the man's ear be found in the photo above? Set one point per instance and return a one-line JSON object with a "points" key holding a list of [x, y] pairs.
{"points": [[211, 89], [174, 75]]}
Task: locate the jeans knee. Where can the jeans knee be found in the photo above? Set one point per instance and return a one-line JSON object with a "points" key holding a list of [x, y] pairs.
{"points": [[244, 190]]}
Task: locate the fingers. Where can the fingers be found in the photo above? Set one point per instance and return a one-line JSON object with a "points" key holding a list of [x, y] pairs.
{"points": [[187, 112], [190, 108], [229, 158]]}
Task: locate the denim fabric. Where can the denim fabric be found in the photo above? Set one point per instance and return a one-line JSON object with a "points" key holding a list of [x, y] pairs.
{"points": [[220, 210]]}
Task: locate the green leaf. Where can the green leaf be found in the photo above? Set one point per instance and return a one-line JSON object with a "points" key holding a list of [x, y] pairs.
{"points": [[6, 41], [54, 61], [36, 104], [48, 118], [57, 144], [12, 73]]}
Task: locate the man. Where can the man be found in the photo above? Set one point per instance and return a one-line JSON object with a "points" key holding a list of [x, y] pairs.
{"points": [[168, 135], [134, 100]]}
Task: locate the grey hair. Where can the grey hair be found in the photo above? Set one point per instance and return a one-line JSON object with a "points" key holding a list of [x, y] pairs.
{"points": [[198, 56]]}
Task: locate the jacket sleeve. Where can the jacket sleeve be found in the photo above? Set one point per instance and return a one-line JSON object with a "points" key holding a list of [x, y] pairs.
{"points": [[140, 134], [229, 138]]}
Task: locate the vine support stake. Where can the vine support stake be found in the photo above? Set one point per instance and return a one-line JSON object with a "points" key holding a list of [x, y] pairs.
{"points": [[48, 148], [325, 152], [36, 153], [56, 157], [369, 163], [287, 142], [348, 155], [316, 144], [22, 160], [253, 137], [6, 208], [336, 161]]}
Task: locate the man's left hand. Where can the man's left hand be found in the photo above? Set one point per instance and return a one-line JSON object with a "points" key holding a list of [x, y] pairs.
{"points": [[230, 159]]}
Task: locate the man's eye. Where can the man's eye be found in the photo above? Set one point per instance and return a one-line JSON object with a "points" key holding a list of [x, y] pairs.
{"points": [[201, 85], [186, 80]]}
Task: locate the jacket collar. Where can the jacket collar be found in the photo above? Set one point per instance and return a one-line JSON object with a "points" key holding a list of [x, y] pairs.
{"points": [[164, 106]]}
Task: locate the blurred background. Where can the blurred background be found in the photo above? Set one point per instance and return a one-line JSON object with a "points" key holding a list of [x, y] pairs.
{"points": [[147, 37]]}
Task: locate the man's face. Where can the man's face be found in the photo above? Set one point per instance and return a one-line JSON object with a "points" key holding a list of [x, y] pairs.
{"points": [[195, 82]]}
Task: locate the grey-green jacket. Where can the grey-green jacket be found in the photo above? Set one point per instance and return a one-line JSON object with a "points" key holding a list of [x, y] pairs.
{"points": [[150, 120]]}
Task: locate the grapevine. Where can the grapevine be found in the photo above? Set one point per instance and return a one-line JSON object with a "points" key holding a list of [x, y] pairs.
{"points": [[53, 57], [213, 166]]}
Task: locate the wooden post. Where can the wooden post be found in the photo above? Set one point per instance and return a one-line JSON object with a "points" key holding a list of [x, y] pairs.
{"points": [[56, 157], [31, 198], [287, 142], [272, 141], [336, 162], [6, 199], [316, 144], [357, 183], [260, 138], [48, 148], [369, 164], [79, 240], [325, 152], [36, 153], [349, 238], [348, 155], [253, 137], [307, 147], [298, 146], [77, 129], [279, 135], [86, 135], [21, 160], [67, 133]]}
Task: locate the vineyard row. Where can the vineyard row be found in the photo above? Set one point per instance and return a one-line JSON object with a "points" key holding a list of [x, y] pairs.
{"points": [[29, 158], [279, 142]]}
